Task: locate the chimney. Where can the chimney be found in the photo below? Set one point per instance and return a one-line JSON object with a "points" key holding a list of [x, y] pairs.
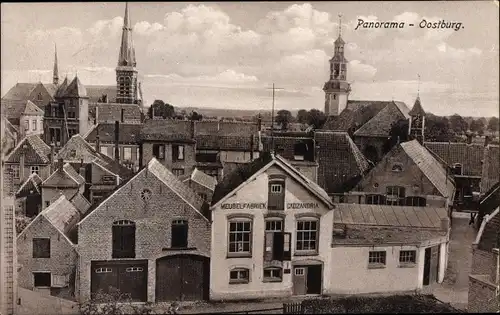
{"points": [[123, 116], [192, 129], [22, 162], [259, 123], [52, 153], [105, 98], [251, 147], [469, 139], [445, 224], [117, 137], [96, 120], [60, 164], [487, 140], [82, 172]]}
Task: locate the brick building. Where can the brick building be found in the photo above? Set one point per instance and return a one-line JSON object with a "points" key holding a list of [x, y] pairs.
{"points": [[47, 253], [490, 173], [29, 196], [484, 276], [63, 181], [271, 232], [381, 249], [149, 238], [201, 183], [408, 175]]}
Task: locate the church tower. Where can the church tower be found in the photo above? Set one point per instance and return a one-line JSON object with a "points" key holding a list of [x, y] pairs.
{"points": [[55, 73], [126, 73], [337, 88], [417, 121]]}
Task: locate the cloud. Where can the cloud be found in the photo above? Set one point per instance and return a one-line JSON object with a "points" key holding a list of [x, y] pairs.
{"points": [[145, 28], [457, 53], [359, 71], [227, 77], [107, 27]]}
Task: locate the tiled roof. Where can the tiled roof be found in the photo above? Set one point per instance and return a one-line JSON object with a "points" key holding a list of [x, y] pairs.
{"points": [[63, 215], [32, 184], [489, 202], [77, 149], [203, 179], [111, 112], [32, 109], [81, 203], [61, 89], [285, 146], [169, 179], [380, 125], [430, 167], [393, 216], [75, 89], [13, 109], [341, 164], [237, 177], [417, 108], [22, 91], [224, 135], [469, 155], [356, 114], [490, 238], [490, 174], [36, 151], [166, 130], [207, 127], [94, 92], [128, 133], [67, 177]]}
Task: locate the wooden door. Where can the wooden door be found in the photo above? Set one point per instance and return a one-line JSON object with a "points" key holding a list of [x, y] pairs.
{"points": [[434, 264], [299, 280]]}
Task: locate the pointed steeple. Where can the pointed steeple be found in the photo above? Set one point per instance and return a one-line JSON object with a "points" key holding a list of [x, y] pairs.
{"points": [[127, 51], [55, 74], [417, 108]]}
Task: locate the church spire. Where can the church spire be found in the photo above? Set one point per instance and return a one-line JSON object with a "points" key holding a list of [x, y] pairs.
{"points": [[55, 74], [127, 52]]}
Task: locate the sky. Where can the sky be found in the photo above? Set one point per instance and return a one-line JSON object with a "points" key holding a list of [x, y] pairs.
{"points": [[228, 54]]}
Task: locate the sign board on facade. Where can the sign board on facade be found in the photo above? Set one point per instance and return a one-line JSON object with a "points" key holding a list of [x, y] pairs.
{"points": [[263, 205]]}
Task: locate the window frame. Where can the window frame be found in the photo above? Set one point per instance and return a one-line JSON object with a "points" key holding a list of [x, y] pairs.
{"points": [[395, 199], [238, 253], [238, 279], [397, 168], [16, 171], [184, 243], [127, 156], [34, 125], [121, 252], [35, 273], [27, 125], [178, 171], [275, 198], [161, 151], [302, 232], [271, 278], [373, 256], [381, 199], [35, 169], [415, 201], [178, 152], [36, 252], [404, 262]]}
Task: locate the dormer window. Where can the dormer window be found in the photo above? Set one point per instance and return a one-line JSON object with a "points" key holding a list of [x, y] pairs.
{"points": [[39, 97], [299, 151], [397, 168], [457, 169]]}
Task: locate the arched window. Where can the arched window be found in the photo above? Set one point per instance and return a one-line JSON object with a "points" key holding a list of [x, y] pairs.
{"points": [[457, 169], [123, 239], [397, 168], [375, 199], [179, 234], [415, 201], [395, 195], [239, 275]]}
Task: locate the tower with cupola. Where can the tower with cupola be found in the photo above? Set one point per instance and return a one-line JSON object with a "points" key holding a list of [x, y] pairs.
{"points": [[337, 88]]}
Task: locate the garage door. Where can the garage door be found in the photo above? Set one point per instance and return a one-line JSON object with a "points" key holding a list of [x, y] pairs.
{"points": [[130, 277], [182, 277]]}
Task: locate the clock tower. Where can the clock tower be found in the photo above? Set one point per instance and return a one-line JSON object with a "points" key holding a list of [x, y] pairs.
{"points": [[337, 88], [417, 121]]}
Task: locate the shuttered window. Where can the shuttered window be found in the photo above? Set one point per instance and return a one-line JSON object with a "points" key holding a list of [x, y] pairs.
{"points": [[123, 239], [159, 151], [179, 234]]}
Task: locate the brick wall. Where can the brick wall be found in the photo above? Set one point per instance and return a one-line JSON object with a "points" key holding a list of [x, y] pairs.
{"points": [[62, 261], [481, 297], [153, 227], [200, 189], [483, 262], [187, 164]]}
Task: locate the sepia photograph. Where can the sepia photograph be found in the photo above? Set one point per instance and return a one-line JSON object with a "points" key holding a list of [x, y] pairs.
{"points": [[247, 157]]}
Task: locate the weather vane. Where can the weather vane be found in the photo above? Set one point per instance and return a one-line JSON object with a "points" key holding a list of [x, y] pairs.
{"points": [[418, 86], [340, 25]]}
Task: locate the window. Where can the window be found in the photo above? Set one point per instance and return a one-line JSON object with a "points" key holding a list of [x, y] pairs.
{"points": [[179, 233], [33, 124], [104, 149], [72, 132], [26, 124], [47, 203], [307, 235], [39, 96], [299, 151], [35, 169], [274, 225], [240, 233], [42, 279], [127, 154], [273, 274], [376, 258], [15, 171], [299, 271], [123, 239], [206, 156], [414, 201], [334, 96], [375, 200], [177, 152], [159, 151], [277, 243], [457, 169], [395, 195], [41, 247], [178, 171], [397, 168], [146, 194], [276, 196], [239, 275], [407, 257]]}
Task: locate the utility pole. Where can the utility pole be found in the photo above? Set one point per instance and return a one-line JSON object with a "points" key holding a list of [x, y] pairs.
{"points": [[272, 118]]}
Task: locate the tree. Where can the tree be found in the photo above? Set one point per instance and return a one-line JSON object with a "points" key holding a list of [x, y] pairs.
{"points": [[397, 134], [493, 124], [437, 129], [284, 118], [195, 116], [458, 124], [316, 118], [303, 116], [161, 109], [477, 126]]}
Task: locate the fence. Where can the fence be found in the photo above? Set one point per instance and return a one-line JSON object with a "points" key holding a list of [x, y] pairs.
{"points": [[293, 308]]}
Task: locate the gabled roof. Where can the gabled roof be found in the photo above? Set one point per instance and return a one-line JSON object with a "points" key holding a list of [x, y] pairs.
{"points": [[95, 92], [489, 232], [65, 177], [490, 201], [247, 142], [35, 151], [341, 164], [167, 130], [128, 133], [75, 89], [61, 214], [203, 179], [32, 109], [238, 178], [430, 167], [380, 125], [31, 185], [417, 108], [61, 90], [111, 112], [490, 173], [356, 114], [81, 203], [469, 155], [166, 177], [285, 145], [22, 91], [13, 109]]}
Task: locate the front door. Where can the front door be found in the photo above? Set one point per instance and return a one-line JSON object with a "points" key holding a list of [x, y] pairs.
{"points": [[307, 279], [427, 266], [313, 282], [299, 280]]}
